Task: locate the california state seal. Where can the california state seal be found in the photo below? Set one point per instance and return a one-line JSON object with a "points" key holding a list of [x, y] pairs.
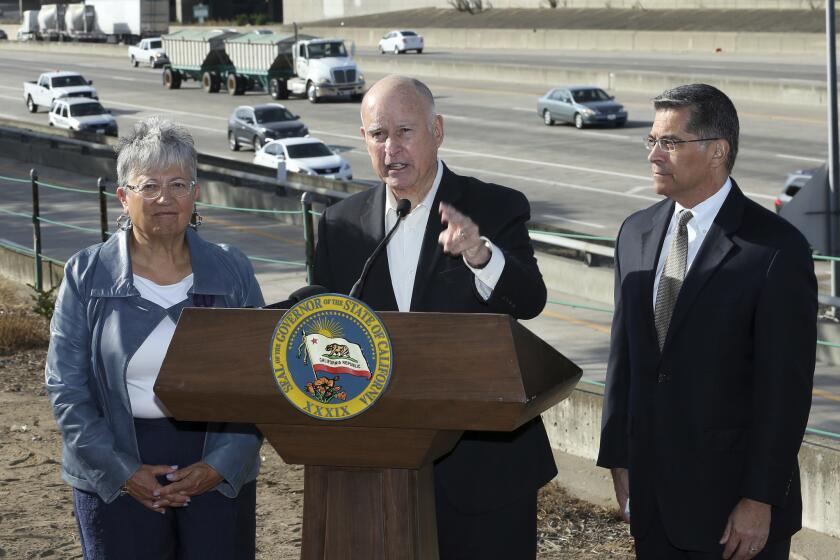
{"points": [[331, 356]]}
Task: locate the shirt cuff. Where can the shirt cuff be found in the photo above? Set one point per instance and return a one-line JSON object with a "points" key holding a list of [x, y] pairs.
{"points": [[488, 276]]}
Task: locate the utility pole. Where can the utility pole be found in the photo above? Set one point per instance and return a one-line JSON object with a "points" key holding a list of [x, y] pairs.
{"points": [[833, 205]]}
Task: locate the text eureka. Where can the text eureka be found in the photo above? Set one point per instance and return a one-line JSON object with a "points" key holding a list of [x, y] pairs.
{"points": [[383, 359]]}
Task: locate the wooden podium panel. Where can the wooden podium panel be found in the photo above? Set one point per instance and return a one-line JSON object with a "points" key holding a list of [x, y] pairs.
{"points": [[369, 485]]}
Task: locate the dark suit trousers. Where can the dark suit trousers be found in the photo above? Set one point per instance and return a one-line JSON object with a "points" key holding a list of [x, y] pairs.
{"points": [[212, 527], [656, 546], [509, 532]]}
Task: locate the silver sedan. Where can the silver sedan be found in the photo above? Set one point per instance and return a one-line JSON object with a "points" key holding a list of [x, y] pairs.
{"points": [[582, 106]]}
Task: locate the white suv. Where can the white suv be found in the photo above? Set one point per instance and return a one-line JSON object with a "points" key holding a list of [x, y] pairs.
{"points": [[85, 115]]}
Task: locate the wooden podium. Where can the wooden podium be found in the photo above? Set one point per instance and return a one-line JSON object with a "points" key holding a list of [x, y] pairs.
{"points": [[368, 483]]}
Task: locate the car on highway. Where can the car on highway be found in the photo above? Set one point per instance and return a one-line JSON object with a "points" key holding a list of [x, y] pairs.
{"points": [[309, 156], [254, 125], [84, 115], [56, 85], [399, 42], [582, 106], [793, 184], [3, 35], [148, 51]]}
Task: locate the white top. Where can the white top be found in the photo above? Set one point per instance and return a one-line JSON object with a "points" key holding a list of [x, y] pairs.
{"points": [[704, 215], [144, 366], [404, 248]]}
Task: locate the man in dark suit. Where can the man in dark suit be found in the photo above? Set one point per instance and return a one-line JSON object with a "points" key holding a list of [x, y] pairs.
{"points": [[712, 352], [463, 248]]}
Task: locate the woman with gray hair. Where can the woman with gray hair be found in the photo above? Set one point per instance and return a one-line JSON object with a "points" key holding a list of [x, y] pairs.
{"points": [[144, 484]]}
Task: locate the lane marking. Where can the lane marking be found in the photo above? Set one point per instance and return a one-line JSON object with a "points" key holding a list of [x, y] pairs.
{"points": [[120, 78], [574, 320], [199, 127], [546, 164], [826, 395], [801, 158], [253, 231], [557, 183], [640, 188], [167, 111], [562, 219]]}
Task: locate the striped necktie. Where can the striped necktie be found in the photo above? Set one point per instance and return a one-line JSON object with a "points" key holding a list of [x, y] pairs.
{"points": [[672, 278]]}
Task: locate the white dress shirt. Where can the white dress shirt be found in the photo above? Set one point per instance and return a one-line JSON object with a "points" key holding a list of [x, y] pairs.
{"points": [[698, 227], [404, 248]]}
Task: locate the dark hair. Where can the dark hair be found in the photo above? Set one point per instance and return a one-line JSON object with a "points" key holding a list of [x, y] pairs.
{"points": [[712, 114]]}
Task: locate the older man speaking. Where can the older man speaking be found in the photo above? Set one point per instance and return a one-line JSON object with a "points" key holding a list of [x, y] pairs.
{"points": [[463, 248]]}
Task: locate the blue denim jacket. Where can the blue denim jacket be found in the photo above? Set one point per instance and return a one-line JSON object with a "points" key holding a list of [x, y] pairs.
{"points": [[100, 321]]}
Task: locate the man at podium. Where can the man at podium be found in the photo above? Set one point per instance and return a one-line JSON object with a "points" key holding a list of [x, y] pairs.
{"points": [[456, 244]]}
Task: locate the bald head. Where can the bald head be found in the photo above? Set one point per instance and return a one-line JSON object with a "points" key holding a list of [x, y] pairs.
{"points": [[404, 88], [402, 133]]}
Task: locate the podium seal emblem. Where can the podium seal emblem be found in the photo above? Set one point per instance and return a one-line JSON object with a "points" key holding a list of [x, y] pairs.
{"points": [[331, 356]]}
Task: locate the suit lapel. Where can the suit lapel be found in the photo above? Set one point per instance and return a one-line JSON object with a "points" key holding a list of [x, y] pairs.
{"points": [[652, 241], [431, 251], [378, 291], [716, 246]]}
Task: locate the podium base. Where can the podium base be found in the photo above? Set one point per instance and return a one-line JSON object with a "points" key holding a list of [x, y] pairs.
{"points": [[373, 513]]}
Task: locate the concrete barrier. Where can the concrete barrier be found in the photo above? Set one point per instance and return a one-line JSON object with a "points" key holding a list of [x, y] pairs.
{"points": [[601, 40], [18, 264], [574, 427]]}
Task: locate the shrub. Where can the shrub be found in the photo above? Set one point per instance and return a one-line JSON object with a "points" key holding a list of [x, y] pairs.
{"points": [[44, 301], [20, 330]]}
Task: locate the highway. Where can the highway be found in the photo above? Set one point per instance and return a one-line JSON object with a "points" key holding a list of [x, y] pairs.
{"points": [[583, 180], [587, 181]]}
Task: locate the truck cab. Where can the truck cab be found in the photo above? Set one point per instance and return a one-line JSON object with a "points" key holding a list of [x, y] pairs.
{"points": [[324, 68]]}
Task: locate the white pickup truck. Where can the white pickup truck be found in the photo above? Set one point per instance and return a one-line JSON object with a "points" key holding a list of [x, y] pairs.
{"points": [[54, 85], [148, 51]]}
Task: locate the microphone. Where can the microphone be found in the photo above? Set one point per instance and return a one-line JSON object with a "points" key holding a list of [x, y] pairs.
{"points": [[298, 295], [403, 208]]}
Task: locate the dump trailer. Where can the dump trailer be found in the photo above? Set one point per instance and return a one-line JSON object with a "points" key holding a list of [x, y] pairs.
{"points": [[197, 55], [292, 64], [262, 62]]}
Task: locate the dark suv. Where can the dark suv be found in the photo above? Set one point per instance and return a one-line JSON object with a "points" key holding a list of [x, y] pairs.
{"points": [[255, 125]]}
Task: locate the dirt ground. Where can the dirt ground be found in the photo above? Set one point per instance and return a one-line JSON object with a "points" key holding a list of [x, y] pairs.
{"points": [[36, 515]]}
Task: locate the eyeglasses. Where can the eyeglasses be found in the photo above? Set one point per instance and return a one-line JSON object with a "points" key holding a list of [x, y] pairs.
{"points": [[152, 190], [670, 145]]}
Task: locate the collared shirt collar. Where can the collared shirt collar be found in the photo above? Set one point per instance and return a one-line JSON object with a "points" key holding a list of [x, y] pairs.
{"points": [[391, 201], [705, 212]]}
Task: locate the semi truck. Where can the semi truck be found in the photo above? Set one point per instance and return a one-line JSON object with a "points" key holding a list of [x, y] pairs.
{"points": [[293, 64], [124, 21], [279, 64], [127, 21]]}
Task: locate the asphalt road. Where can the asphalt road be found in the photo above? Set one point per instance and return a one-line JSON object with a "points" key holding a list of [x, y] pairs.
{"points": [[588, 181]]}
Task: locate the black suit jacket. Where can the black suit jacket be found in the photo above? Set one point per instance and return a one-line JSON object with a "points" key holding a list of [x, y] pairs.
{"points": [[718, 414], [485, 470]]}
